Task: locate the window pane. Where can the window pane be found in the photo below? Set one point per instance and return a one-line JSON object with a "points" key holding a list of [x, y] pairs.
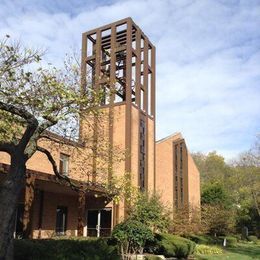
{"points": [[61, 220], [64, 164]]}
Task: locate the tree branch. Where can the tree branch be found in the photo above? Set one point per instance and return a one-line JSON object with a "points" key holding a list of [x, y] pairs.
{"points": [[81, 186], [30, 130], [7, 147], [55, 169], [32, 147], [30, 119]]}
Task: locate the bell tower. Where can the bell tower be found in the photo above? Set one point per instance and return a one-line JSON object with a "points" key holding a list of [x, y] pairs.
{"points": [[119, 59]]}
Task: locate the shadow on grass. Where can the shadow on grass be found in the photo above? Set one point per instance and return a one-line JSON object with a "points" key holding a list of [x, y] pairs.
{"points": [[251, 250]]}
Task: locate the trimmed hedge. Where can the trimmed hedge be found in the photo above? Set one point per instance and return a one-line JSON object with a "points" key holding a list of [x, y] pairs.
{"points": [[252, 238], [202, 239], [170, 245], [208, 240], [64, 249]]}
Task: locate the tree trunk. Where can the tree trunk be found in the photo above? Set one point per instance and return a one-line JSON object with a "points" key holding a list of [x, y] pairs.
{"points": [[256, 203], [10, 190]]}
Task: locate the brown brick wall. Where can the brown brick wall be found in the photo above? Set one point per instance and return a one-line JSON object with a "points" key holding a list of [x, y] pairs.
{"points": [[194, 183], [165, 173], [50, 203]]}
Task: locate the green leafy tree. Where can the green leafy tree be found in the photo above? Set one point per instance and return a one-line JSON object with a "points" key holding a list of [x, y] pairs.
{"points": [[149, 209], [131, 236], [32, 100], [217, 219], [186, 221], [214, 193], [246, 186], [234, 186], [248, 169], [212, 167]]}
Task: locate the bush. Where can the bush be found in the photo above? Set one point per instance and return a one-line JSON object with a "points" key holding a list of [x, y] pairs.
{"points": [[252, 238], [202, 239], [170, 245], [65, 249], [131, 236], [149, 209], [231, 241], [208, 250]]}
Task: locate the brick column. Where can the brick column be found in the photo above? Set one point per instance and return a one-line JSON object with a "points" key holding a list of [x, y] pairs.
{"points": [[28, 203], [81, 212], [115, 214]]}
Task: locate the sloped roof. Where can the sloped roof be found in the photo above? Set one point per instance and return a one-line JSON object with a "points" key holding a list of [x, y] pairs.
{"points": [[174, 136]]}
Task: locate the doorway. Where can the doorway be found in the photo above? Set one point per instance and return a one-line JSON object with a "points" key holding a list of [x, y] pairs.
{"points": [[99, 222], [18, 231], [61, 220]]}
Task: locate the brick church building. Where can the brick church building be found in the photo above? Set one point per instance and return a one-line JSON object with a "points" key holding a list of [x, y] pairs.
{"points": [[119, 56]]}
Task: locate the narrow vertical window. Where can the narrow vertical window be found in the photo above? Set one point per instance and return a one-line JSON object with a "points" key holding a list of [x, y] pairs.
{"points": [[64, 164], [176, 175], [182, 196], [181, 158], [142, 156], [61, 220], [181, 172]]}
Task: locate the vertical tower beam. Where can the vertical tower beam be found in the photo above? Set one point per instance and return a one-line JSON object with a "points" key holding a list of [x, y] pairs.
{"points": [[128, 94], [112, 97], [153, 59], [138, 67]]}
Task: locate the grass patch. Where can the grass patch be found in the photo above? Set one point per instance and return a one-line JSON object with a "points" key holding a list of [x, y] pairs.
{"points": [[242, 251]]}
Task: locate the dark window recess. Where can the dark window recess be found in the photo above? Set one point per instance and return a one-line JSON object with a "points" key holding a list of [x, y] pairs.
{"points": [[181, 157], [105, 223], [61, 220], [19, 221], [176, 174], [181, 172], [176, 196], [142, 155], [182, 194], [64, 164], [176, 158], [92, 223]]}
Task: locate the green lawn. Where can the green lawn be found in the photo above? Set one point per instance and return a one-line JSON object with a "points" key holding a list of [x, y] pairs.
{"points": [[243, 251]]}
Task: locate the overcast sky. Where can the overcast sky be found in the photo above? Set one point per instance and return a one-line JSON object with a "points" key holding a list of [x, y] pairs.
{"points": [[208, 58]]}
